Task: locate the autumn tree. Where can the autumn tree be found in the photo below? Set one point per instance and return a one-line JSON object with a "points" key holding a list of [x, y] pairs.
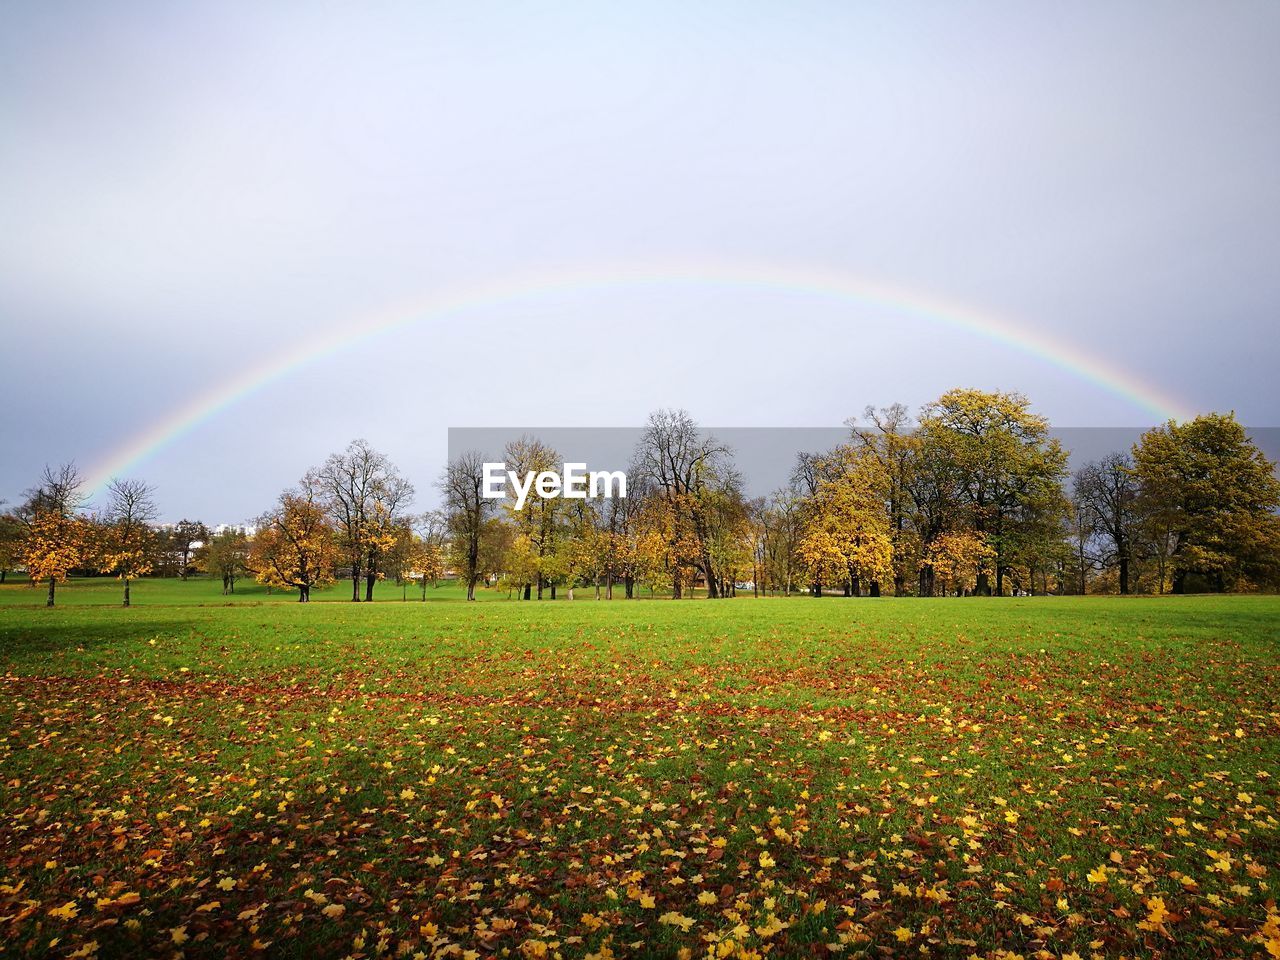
{"points": [[590, 547], [538, 523], [294, 545], [364, 496], [846, 535], [125, 533], [226, 555], [693, 474], [55, 538], [1212, 489], [887, 434], [630, 550], [10, 543], [1008, 472], [959, 560], [425, 557], [782, 527], [462, 485]]}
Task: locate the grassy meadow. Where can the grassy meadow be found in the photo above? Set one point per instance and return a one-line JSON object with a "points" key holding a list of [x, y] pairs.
{"points": [[1033, 777]]}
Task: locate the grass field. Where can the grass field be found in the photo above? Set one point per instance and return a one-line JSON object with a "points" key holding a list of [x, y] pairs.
{"points": [[796, 777]]}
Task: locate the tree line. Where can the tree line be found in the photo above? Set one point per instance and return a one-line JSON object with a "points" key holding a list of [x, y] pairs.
{"points": [[971, 495]]}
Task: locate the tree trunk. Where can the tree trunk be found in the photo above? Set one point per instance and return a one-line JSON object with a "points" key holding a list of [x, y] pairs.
{"points": [[355, 583], [982, 588], [49, 601], [3, 574], [304, 593], [126, 591], [1179, 584], [629, 587], [875, 588], [608, 587], [539, 586], [1124, 571], [369, 578], [713, 591], [471, 588], [553, 592]]}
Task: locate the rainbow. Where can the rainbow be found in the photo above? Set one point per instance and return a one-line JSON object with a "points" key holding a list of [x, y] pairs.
{"points": [[804, 280]]}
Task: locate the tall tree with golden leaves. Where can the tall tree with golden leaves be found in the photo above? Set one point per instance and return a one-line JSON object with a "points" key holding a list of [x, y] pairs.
{"points": [[294, 545], [847, 536], [56, 538]]}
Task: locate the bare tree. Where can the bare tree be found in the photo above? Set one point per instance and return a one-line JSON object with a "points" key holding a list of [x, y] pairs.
{"points": [[1107, 491], [60, 491]]}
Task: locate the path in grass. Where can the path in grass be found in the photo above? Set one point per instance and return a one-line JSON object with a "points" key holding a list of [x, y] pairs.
{"points": [[643, 779]]}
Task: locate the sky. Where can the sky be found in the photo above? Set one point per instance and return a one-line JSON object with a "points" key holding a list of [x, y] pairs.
{"points": [[238, 235]]}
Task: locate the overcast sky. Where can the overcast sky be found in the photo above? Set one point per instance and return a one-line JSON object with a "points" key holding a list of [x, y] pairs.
{"points": [[188, 190]]}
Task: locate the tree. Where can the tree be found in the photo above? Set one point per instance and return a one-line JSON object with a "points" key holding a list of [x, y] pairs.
{"points": [[1080, 533], [1007, 470], [462, 484], [185, 535], [1215, 493], [782, 521], [959, 560], [846, 530], [363, 494], [630, 548], [691, 472], [125, 534], [55, 538], [890, 439], [226, 555], [424, 561], [294, 545], [538, 523], [1106, 493], [10, 543]]}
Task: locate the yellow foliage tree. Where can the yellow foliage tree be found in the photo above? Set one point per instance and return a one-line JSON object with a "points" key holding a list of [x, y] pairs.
{"points": [[54, 545], [959, 559], [846, 535], [294, 546], [425, 562], [56, 539]]}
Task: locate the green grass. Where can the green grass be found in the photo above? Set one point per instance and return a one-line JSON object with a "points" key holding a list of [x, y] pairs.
{"points": [[781, 777]]}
